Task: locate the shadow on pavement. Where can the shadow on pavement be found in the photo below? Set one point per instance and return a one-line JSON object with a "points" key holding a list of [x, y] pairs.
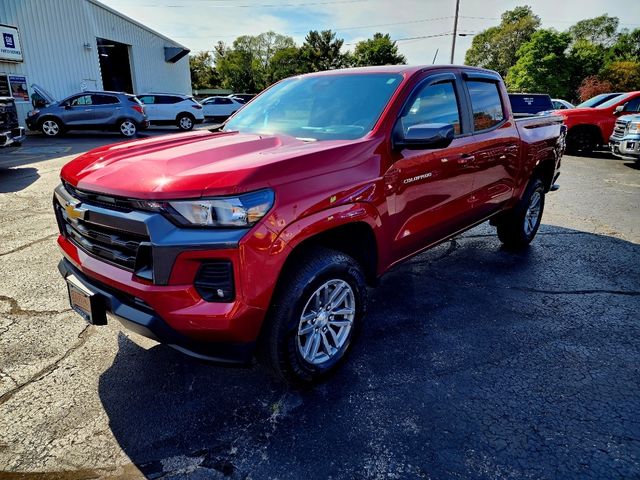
{"points": [[474, 363], [14, 180]]}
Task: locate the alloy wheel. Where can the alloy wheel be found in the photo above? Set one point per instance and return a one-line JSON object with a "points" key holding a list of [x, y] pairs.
{"points": [[326, 322]]}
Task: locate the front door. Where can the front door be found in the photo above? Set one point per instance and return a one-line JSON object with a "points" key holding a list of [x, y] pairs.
{"points": [[430, 190], [78, 111]]}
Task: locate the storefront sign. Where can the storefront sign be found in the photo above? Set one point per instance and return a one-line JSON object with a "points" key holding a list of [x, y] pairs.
{"points": [[19, 88], [10, 49]]}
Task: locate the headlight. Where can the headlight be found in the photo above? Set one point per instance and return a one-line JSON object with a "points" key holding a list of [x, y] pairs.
{"points": [[633, 127], [235, 211]]}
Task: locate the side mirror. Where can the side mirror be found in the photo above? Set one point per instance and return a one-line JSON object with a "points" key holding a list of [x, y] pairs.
{"points": [[67, 106], [619, 109], [425, 136]]}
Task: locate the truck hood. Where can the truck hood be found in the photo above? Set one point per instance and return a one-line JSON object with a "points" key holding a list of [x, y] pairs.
{"points": [[205, 163]]}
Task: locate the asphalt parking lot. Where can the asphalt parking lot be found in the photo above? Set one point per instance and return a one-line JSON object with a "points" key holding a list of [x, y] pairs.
{"points": [[474, 362]]}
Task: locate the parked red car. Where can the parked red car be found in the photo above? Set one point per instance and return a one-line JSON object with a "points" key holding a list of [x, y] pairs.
{"points": [[263, 237], [589, 128]]}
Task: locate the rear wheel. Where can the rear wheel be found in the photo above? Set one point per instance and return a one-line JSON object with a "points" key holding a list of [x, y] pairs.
{"points": [[314, 317], [581, 140], [185, 122], [519, 226], [51, 127], [127, 127]]}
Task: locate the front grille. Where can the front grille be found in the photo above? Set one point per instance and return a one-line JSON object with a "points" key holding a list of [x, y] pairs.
{"points": [[214, 281], [620, 129], [110, 244], [117, 203]]}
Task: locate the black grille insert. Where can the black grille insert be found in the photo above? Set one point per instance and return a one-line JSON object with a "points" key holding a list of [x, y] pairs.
{"points": [[214, 281], [113, 245]]}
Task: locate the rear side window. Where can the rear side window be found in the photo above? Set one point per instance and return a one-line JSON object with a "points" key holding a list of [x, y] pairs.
{"points": [[104, 100], [223, 101], [486, 105], [167, 99], [436, 103]]}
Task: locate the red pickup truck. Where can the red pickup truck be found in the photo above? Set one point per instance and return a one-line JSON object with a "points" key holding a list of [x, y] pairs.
{"points": [[589, 128], [262, 237]]}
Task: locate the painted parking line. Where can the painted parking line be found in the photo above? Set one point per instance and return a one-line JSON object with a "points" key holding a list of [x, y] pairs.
{"points": [[51, 150]]}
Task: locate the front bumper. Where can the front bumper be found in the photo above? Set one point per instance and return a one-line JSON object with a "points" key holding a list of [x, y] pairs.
{"points": [[16, 135], [140, 318], [156, 295], [627, 147]]}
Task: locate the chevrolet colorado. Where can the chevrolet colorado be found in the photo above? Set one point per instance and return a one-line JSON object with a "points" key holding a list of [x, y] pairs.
{"points": [[262, 237]]}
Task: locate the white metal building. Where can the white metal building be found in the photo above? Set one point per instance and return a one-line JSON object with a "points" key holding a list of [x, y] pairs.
{"points": [[68, 46]]}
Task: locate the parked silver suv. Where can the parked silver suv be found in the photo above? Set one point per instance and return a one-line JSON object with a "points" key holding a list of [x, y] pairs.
{"points": [[90, 111]]}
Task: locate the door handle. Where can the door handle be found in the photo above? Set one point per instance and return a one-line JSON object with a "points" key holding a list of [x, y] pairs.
{"points": [[465, 159]]}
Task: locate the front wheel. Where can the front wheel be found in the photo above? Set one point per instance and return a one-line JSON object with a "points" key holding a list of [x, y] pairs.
{"points": [[51, 127], [128, 128], [314, 318], [519, 226], [185, 122]]}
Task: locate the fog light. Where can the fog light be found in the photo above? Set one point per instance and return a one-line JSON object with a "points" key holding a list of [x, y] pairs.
{"points": [[631, 145]]}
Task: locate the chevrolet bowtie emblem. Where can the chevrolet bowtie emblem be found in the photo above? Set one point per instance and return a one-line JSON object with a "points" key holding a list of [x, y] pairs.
{"points": [[74, 212]]}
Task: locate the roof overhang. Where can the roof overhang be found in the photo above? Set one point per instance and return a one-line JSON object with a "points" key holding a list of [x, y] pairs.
{"points": [[173, 54]]}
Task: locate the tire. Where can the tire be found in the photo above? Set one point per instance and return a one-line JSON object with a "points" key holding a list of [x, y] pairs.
{"points": [[51, 127], [287, 342], [127, 128], [581, 140], [185, 122], [518, 227]]}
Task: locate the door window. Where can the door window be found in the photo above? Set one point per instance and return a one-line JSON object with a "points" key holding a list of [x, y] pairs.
{"points": [[82, 100], [104, 100], [632, 105], [147, 99], [435, 103], [223, 101], [486, 105]]}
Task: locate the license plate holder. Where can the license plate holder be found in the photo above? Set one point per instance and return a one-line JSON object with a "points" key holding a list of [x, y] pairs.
{"points": [[88, 304]]}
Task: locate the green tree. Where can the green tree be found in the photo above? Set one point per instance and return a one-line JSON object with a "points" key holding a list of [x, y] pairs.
{"points": [[541, 65], [379, 50], [496, 47], [600, 30], [287, 62], [203, 73], [624, 76], [321, 51], [247, 66], [627, 46]]}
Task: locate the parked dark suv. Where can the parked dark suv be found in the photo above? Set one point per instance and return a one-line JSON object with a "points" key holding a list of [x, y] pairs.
{"points": [[11, 133], [90, 111]]}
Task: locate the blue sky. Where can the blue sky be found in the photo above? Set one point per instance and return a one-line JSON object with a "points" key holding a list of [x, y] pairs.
{"points": [[200, 24]]}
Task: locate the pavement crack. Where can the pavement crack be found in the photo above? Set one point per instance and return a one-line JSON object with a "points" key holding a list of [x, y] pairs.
{"points": [[577, 292], [30, 244], [15, 309], [48, 370]]}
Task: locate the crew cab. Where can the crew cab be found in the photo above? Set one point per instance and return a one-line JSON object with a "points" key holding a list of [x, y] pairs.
{"points": [[589, 128], [262, 237]]}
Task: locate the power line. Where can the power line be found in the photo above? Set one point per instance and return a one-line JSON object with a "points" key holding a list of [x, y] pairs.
{"points": [[334, 29]]}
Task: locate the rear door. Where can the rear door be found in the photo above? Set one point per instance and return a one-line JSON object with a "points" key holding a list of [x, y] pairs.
{"points": [[150, 107], [494, 158], [429, 190], [106, 109]]}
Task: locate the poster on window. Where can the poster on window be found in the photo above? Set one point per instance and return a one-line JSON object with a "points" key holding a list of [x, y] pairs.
{"points": [[4, 86], [19, 88]]}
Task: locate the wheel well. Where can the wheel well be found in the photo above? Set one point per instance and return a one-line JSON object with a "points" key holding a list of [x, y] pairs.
{"points": [[50, 117], [593, 130], [185, 114], [544, 172], [355, 239]]}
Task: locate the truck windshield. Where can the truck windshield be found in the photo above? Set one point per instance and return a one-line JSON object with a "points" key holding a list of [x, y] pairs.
{"points": [[328, 107], [613, 101]]}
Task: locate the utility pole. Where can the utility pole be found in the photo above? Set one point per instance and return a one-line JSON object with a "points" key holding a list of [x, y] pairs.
{"points": [[455, 31]]}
